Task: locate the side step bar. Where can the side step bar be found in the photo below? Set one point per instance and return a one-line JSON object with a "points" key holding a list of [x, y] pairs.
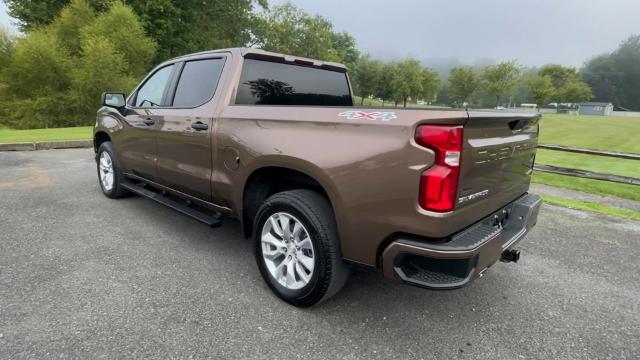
{"points": [[212, 219]]}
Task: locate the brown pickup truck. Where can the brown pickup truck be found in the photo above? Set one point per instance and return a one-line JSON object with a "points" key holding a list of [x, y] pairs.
{"points": [[430, 198]]}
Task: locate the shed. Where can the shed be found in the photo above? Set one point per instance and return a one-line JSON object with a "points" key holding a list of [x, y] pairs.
{"points": [[595, 108]]}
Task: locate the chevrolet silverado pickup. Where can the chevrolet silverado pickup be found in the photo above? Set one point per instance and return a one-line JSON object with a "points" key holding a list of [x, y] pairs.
{"points": [[430, 198]]}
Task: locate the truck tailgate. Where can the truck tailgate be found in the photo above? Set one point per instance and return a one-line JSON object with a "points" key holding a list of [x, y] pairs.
{"points": [[497, 157]]}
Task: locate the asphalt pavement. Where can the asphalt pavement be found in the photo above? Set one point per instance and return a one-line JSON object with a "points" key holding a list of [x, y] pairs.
{"points": [[84, 276]]}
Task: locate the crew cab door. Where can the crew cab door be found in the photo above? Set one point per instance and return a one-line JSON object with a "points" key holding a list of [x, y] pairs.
{"points": [[138, 147], [185, 133]]}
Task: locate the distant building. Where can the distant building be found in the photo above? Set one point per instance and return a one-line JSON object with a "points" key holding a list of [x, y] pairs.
{"points": [[529, 107], [595, 108]]}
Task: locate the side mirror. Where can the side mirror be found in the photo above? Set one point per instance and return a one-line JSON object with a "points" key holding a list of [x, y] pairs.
{"points": [[114, 100]]}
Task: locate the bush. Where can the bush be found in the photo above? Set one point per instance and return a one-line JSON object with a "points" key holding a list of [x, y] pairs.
{"points": [[6, 52], [101, 67], [40, 112], [72, 19], [121, 26], [39, 66], [55, 74]]}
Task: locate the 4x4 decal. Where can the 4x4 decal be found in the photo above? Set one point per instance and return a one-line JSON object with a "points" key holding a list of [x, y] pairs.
{"points": [[376, 115]]}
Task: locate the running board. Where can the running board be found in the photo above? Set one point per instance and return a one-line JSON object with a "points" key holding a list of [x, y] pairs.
{"points": [[212, 219]]}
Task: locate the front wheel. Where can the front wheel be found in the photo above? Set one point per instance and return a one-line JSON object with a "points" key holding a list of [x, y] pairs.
{"points": [[109, 174], [297, 247]]}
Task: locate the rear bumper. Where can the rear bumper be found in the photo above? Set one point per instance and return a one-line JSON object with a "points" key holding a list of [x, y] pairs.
{"points": [[464, 256]]}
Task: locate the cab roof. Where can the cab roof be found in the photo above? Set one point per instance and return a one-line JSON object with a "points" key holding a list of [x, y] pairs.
{"points": [[253, 53]]}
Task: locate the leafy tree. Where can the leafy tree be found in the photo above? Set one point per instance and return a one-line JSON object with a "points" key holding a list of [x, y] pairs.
{"points": [[388, 75], [559, 74], [541, 88], [408, 81], [431, 84], [627, 64], [567, 84], [67, 25], [366, 76], [575, 91], [7, 45], [344, 49], [522, 93], [121, 26], [463, 83], [32, 14], [501, 79], [615, 77], [444, 96], [604, 77], [199, 24], [101, 67], [39, 66], [288, 29], [56, 73], [37, 77], [178, 26]]}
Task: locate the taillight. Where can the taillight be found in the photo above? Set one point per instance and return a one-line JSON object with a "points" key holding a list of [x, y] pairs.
{"points": [[439, 183]]}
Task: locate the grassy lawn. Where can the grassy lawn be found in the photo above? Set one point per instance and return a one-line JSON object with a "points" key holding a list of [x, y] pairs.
{"points": [[594, 207], [16, 136], [605, 188], [602, 164], [596, 132], [606, 133]]}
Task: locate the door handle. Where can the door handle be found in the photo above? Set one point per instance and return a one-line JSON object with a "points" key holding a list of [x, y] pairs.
{"points": [[199, 126], [149, 121]]}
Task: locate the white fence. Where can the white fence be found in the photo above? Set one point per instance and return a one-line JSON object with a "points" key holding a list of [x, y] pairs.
{"points": [[631, 114], [634, 114]]}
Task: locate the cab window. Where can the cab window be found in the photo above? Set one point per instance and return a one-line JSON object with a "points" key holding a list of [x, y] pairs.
{"points": [[272, 83], [198, 82], [152, 92]]}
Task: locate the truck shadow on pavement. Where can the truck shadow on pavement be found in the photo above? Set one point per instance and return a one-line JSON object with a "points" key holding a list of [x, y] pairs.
{"points": [[366, 289]]}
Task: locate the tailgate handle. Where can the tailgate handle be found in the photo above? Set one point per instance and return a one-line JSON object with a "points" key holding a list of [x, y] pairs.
{"points": [[516, 125]]}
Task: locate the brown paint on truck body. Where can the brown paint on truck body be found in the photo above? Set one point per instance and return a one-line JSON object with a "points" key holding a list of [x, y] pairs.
{"points": [[370, 169]]}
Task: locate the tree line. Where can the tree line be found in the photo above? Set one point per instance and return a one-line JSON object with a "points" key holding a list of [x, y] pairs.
{"points": [[615, 77], [396, 81], [72, 50], [502, 84]]}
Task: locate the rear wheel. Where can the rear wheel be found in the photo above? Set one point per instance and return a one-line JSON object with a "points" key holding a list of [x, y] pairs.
{"points": [[297, 247], [109, 174]]}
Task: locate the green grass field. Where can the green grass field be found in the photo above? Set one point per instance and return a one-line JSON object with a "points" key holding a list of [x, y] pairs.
{"points": [[593, 163], [596, 132], [16, 136], [605, 133]]}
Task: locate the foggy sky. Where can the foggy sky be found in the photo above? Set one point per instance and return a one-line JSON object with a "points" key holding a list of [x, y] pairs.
{"points": [[533, 32]]}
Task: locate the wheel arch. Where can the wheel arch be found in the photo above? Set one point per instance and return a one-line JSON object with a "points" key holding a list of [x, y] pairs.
{"points": [[99, 138], [267, 180]]}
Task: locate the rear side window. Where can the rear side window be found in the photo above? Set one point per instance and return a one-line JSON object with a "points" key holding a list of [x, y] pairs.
{"points": [[270, 83], [198, 82], [151, 93]]}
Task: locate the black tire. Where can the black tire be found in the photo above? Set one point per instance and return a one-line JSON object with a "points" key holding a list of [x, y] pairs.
{"points": [[116, 190], [315, 212]]}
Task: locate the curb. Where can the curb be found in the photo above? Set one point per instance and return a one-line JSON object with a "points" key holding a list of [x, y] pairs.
{"points": [[46, 145]]}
